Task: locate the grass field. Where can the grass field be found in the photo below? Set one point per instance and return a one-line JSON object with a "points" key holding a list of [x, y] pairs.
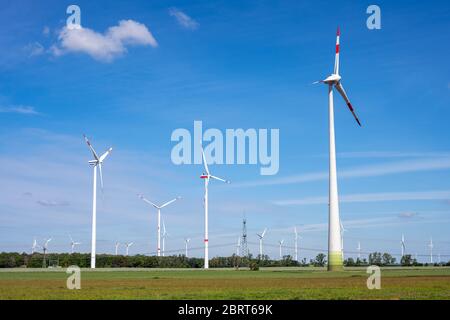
{"points": [[279, 283]]}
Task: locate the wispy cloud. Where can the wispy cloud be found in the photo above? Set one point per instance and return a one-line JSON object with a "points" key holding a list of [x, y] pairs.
{"points": [[103, 47], [25, 110], [183, 19], [358, 172], [407, 215], [371, 197], [52, 203], [34, 49]]}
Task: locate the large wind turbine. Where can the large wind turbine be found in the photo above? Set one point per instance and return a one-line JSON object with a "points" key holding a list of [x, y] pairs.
{"points": [[159, 217], [334, 240], [402, 243], [261, 237], [117, 247], [206, 176], [431, 249], [73, 244], [281, 248], [97, 162]]}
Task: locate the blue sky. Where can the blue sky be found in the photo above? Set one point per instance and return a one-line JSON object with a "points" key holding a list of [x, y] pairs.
{"points": [[231, 64]]}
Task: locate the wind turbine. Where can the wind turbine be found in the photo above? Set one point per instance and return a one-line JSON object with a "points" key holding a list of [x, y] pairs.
{"points": [[164, 235], [431, 249], [45, 248], [296, 243], [117, 247], [334, 241], [343, 230], [403, 245], [359, 250], [281, 248], [73, 243], [127, 246], [261, 237], [97, 162], [34, 246], [238, 246], [159, 217], [206, 176], [186, 242]]}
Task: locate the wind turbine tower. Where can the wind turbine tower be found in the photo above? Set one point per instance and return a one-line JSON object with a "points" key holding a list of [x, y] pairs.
{"points": [[431, 249], [158, 249], [334, 239], [261, 237], [97, 162], [207, 176]]}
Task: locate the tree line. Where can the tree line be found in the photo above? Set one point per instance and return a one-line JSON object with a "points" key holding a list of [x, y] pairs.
{"points": [[38, 260]]}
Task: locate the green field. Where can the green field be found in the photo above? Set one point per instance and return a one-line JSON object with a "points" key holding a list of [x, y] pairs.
{"points": [[274, 283]]}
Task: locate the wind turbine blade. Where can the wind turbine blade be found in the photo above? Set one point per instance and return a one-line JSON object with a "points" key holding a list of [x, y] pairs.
{"points": [[169, 202], [103, 156], [341, 90], [101, 175], [148, 201], [220, 179], [70, 238], [204, 162], [336, 59], [264, 233], [90, 147]]}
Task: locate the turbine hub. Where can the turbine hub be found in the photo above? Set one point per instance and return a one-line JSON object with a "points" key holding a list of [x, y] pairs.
{"points": [[332, 79]]}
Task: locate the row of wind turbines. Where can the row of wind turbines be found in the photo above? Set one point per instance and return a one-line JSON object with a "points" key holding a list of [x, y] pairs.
{"points": [[335, 228]]}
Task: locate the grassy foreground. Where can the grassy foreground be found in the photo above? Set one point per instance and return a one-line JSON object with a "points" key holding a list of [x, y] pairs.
{"points": [[279, 283]]}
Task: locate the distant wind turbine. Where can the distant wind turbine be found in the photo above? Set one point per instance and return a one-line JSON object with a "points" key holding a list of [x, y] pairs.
{"points": [[343, 230], [359, 250], [159, 217], [261, 237], [281, 248], [127, 246], [186, 243], [164, 235], [334, 240], [97, 162], [206, 176], [117, 247], [45, 248], [73, 244], [296, 243], [402, 243], [238, 246], [431, 249], [34, 246]]}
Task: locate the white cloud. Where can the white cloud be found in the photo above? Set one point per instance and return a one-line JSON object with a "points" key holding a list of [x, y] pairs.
{"points": [[104, 47], [372, 197], [25, 110], [439, 163], [34, 49], [183, 19]]}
